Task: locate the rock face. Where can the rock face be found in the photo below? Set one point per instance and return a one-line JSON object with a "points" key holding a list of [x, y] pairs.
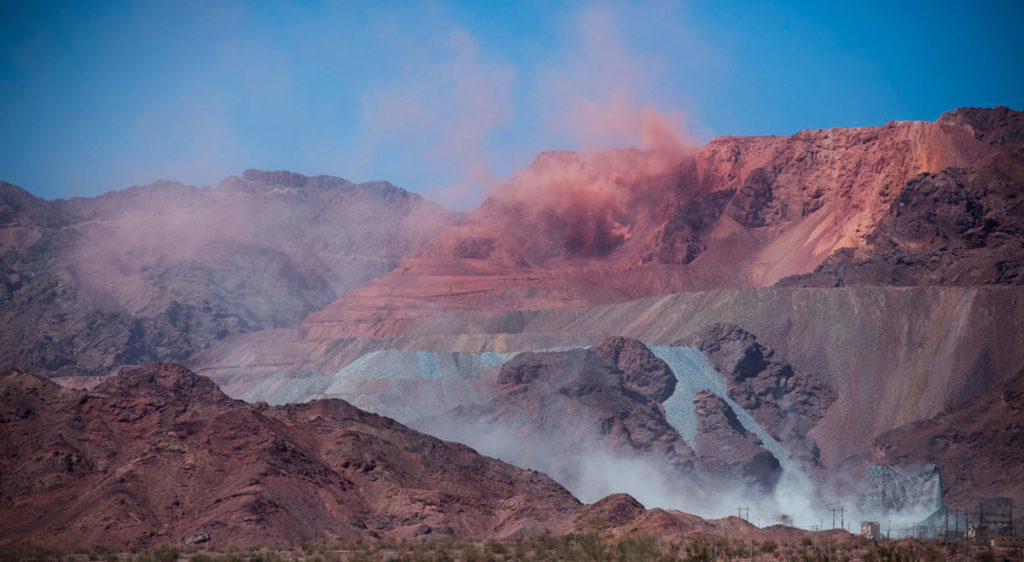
{"points": [[596, 419], [725, 449], [160, 455], [643, 371], [960, 226], [588, 228], [786, 403], [998, 126], [161, 271], [568, 412]]}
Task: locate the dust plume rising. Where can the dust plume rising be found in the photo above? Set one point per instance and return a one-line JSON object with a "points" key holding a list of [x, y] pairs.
{"points": [[602, 92], [627, 153], [442, 108], [591, 200], [467, 116]]}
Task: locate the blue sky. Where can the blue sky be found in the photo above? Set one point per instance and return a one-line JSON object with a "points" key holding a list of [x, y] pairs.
{"points": [[445, 98]]}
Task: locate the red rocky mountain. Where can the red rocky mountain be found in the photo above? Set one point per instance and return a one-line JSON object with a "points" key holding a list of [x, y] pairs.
{"points": [[580, 229], [844, 284], [161, 455], [880, 262]]}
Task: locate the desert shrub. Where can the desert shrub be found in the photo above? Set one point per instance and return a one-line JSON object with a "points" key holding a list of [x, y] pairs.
{"points": [[637, 549], [495, 547], [591, 547], [159, 554], [519, 550], [470, 553], [363, 556], [265, 555], [29, 553], [984, 556], [229, 557]]}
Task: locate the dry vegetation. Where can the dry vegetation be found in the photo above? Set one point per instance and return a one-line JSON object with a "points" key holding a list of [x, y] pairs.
{"points": [[591, 547]]}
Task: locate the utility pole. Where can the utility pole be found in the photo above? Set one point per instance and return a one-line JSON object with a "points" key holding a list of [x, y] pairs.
{"points": [[945, 530], [842, 524], [740, 511], [790, 559], [750, 541], [967, 527]]}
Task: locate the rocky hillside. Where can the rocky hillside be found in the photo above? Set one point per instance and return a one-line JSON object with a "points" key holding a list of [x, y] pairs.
{"points": [[810, 294], [161, 455], [937, 201], [578, 229], [161, 271], [597, 419], [958, 226], [575, 408], [787, 402], [979, 444]]}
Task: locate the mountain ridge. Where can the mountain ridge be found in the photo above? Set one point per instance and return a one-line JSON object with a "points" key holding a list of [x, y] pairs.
{"points": [[150, 456], [162, 270]]}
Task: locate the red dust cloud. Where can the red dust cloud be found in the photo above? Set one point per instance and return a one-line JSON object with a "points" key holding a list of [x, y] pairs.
{"points": [[456, 97], [592, 197]]}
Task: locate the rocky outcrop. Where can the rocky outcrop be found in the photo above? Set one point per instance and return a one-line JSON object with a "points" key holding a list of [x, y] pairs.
{"points": [[737, 355], [615, 510], [998, 126], [161, 271], [643, 371], [160, 455], [569, 413], [786, 403], [752, 205], [578, 229], [682, 238], [960, 226], [726, 450]]}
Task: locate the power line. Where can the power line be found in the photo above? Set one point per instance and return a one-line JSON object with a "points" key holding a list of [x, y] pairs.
{"points": [[740, 511], [841, 510]]}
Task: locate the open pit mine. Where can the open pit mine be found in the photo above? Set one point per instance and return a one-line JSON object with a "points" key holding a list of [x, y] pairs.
{"points": [[818, 333]]}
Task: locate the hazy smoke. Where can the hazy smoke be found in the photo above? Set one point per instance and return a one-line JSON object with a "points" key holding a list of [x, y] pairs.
{"points": [[600, 92], [442, 110], [269, 254], [591, 199], [590, 470], [454, 106]]}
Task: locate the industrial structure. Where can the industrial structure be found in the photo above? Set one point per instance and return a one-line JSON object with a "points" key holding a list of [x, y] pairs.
{"points": [[892, 491], [892, 488], [870, 529]]}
